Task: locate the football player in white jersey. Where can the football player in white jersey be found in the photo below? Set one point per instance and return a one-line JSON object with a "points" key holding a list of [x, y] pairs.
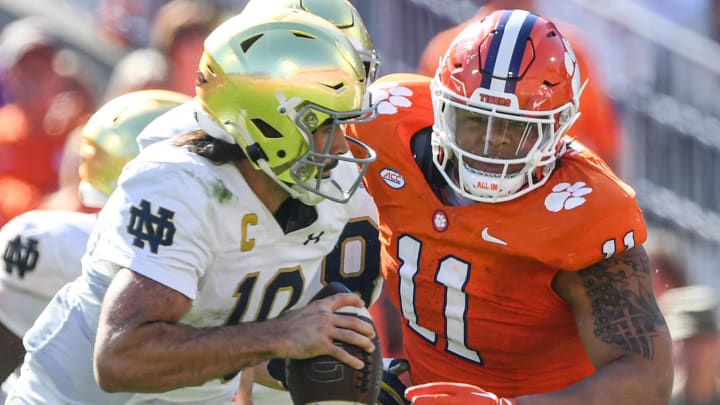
{"points": [[42, 248], [345, 16], [204, 259]]}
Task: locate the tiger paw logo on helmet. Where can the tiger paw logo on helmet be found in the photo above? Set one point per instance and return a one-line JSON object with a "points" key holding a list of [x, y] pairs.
{"points": [[389, 96], [567, 196]]}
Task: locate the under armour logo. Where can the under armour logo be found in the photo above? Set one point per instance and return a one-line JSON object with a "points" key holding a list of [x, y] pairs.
{"points": [[21, 256], [313, 238], [154, 229]]}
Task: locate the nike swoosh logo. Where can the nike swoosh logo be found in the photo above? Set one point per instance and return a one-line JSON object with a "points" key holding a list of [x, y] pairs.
{"points": [[537, 104], [489, 238]]}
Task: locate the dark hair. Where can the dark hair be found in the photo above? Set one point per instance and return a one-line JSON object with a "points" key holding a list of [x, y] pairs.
{"points": [[215, 150]]}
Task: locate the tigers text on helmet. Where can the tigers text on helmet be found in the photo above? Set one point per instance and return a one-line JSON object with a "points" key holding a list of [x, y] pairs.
{"points": [[108, 139], [267, 81], [504, 94], [341, 13]]}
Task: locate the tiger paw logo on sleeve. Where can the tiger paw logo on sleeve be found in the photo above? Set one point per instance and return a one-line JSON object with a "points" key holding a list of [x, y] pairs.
{"points": [[390, 96], [567, 196]]}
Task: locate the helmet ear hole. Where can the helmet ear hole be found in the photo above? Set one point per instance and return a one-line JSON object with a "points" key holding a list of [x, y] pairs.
{"points": [[266, 129], [269, 132]]}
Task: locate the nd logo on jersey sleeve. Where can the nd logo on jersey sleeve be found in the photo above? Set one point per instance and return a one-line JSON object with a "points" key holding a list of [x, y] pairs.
{"points": [[151, 229], [21, 255]]}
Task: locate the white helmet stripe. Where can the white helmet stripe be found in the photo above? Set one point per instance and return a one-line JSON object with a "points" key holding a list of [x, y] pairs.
{"points": [[508, 47]]}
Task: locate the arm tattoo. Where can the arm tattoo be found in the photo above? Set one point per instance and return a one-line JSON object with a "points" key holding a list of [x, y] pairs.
{"points": [[624, 310]]}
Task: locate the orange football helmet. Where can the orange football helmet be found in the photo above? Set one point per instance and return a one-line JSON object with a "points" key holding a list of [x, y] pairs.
{"points": [[505, 92]]}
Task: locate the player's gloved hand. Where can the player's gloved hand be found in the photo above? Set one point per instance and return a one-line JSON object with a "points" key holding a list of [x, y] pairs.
{"points": [[392, 388], [276, 369], [447, 393]]}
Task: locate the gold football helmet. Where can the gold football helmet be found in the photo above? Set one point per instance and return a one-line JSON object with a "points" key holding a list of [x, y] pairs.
{"points": [[341, 13], [108, 139], [268, 80]]}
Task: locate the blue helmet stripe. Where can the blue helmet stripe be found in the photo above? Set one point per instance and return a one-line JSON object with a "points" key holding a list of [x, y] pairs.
{"points": [[519, 51], [489, 67]]}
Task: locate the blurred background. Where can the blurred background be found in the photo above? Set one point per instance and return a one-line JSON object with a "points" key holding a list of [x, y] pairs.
{"points": [[651, 108], [657, 61]]}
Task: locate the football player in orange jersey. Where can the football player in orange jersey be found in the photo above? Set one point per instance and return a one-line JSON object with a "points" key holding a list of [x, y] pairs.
{"points": [[513, 253], [598, 127]]}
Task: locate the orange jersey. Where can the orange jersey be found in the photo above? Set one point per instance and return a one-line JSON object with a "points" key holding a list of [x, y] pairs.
{"points": [[473, 283]]}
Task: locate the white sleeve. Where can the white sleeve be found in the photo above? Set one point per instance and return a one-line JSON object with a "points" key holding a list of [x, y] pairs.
{"points": [[157, 224]]}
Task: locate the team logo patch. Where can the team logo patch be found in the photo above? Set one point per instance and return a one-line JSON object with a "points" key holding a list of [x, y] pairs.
{"points": [[567, 196], [440, 221], [392, 178], [389, 97], [21, 256], [150, 228]]}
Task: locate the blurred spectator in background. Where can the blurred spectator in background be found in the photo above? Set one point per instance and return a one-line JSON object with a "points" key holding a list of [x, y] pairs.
{"points": [[141, 69], [598, 126], [667, 260], [67, 198], [170, 61], [44, 102], [691, 313], [669, 273], [178, 33], [701, 16], [127, 23]]}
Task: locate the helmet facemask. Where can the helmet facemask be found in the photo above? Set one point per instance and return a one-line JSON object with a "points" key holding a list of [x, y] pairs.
{"points": [[310, 178], [489, 153], [311, 173], [370, 61], [504, 94]]}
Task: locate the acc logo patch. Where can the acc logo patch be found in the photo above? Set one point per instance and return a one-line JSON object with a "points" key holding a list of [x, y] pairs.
{"points": [[149, 228], [392, 178], [389, 97]]}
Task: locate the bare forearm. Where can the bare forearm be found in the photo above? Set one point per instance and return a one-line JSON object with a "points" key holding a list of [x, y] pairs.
{"points": [[141, 347], [162, 356], [623, 381]]}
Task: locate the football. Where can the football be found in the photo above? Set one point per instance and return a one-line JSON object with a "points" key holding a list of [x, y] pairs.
{"points": [[326, 380]]}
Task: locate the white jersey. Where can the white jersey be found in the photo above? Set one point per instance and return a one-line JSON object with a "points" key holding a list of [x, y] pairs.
{"points": [[41, 251], [198, 228]]}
